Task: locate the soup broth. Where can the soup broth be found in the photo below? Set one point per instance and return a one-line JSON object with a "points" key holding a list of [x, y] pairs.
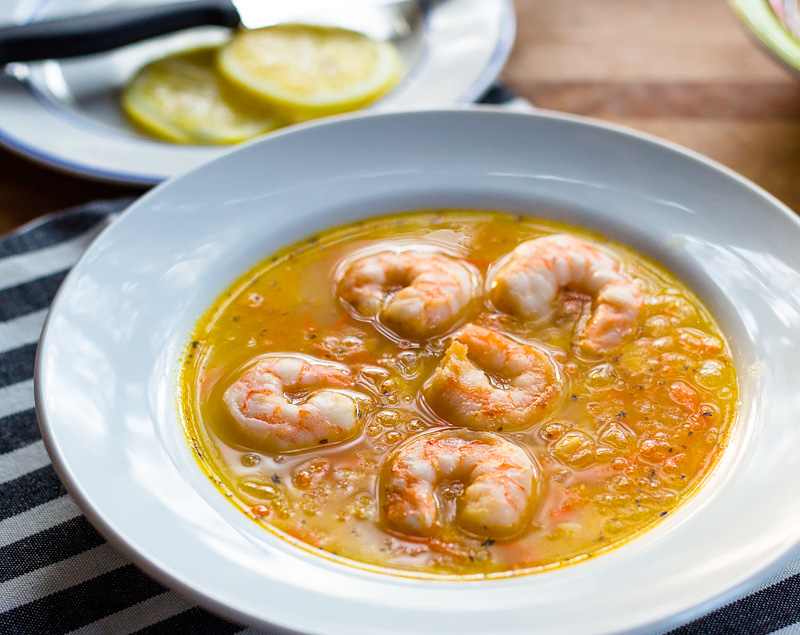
{"points": [[618, 435]]}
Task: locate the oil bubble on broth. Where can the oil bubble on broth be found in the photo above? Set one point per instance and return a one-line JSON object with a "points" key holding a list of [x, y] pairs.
{"points": [[458, 393]]}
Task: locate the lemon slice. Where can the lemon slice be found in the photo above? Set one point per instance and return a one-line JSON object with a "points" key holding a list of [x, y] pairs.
{"points": [[310, 71], [181, 98]]}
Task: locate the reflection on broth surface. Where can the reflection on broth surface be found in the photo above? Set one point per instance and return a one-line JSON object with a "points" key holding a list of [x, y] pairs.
{"points": [[457, 393]]}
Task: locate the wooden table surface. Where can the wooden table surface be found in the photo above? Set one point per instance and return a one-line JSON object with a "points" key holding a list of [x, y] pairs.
{"points": [[684, 70]]}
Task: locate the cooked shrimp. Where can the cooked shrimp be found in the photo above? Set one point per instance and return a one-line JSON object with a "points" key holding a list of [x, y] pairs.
{"points": [[498, 476], [528, 282], [414, 293], [276, 406], [488, 381]]}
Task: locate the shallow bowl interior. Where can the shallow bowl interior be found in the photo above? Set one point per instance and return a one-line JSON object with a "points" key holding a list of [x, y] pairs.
{"points": [[108, 364]]}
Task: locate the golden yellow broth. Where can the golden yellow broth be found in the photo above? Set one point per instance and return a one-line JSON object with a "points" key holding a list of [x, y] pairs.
{"points": [[637, 431]]}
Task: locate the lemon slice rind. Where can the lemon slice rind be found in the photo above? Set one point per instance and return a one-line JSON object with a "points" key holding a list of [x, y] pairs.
{"points": [[181, 99], [298, 105]]}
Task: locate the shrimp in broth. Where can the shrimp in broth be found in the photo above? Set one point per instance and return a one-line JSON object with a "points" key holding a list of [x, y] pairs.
{"points": [[487, 381], [431, 290], [498, 479], [458, 393]]}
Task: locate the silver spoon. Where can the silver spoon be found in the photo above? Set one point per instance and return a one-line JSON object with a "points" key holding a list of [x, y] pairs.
{"points": [[107, 30]]}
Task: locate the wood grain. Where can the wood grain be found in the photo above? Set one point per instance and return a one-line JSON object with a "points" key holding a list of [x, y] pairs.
{"points": [[635, 40], [684, 70], [28, 190]]}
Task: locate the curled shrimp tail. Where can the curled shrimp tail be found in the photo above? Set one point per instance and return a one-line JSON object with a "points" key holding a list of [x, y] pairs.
{"points": [[414, 508], [415, 294], [612, 321], [527, 282], [487, 381], [498, 475], [288, 402]]}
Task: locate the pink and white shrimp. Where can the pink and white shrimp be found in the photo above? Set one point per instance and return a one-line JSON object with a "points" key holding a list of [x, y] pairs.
{"points": [[416, 294], [498, 478], [529, 279], [287, 402], [487, 381]]}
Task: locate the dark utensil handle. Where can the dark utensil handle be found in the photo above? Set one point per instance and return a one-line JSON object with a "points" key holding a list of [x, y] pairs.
{"points": [[103, 31]]}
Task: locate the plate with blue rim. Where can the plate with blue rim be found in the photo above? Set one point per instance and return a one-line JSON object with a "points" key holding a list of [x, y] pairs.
{"points": [[66, 114]]}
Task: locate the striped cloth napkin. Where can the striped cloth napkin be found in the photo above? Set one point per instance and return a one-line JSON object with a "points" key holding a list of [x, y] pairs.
{"points": [[57, 574]]}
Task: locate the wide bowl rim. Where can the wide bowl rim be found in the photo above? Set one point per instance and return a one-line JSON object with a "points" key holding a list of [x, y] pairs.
{"points": [[174, 579]]}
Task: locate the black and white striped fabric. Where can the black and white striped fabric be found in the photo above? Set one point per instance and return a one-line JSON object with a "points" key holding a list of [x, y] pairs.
{"points": [[57, 574]]}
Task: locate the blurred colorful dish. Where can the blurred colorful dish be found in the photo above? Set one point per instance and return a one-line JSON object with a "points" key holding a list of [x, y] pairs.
{"points": [[764, 19]]}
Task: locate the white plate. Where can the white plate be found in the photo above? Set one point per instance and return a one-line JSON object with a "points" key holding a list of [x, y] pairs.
{"points": [[66, 114], [108, 364]]}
